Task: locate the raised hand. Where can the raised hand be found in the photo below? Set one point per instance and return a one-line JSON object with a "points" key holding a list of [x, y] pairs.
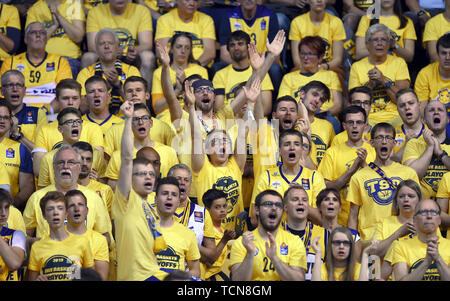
{"points": [[254, 91], [256, 60], [127, 109], [271, 249], [316, 246], [277, 44], [163, 54], [248, 242], [189, 97]]}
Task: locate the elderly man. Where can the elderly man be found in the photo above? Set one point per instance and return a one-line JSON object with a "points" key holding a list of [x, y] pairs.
{"points": [[42, 70], [108, 66]]}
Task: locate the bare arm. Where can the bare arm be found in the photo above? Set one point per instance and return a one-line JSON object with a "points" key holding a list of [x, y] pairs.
{"points": [[353, 217], [126, 165], [194, 267], [27, 187], [12, 256], [145, 39], [445, 218], [102, 267], [209, 52], [243, 271], [197, 150]]}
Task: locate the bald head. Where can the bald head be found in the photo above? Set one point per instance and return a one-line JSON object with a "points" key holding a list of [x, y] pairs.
{"points": [[152, 155]]}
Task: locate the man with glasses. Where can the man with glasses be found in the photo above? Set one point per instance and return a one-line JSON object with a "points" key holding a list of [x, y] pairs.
{"points": [[141, 122], [42, 70], [426, 256], [17, 160], [268, 253], [67, 168], [372, 188], [70, 127], [49, 136], [26, 118], [342, 161], [427, 155], [137, 235]]}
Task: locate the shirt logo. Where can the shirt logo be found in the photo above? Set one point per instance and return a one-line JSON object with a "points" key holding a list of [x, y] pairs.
{"points": [[198, 217], [305, 184], [10, 153], [284, 250], [263, 24], [50, 66], [20, 67]]}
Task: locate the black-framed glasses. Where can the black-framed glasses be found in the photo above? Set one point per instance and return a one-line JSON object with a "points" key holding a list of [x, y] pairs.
{"points": [[144, 173], [425, 212], [203, 89], [338, 243], [73, 122], [145, 118], [381, 138], [269, 204]]}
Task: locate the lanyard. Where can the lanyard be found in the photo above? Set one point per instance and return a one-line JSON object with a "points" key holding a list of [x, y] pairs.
{"points": [[379, 171], [205, 126]]}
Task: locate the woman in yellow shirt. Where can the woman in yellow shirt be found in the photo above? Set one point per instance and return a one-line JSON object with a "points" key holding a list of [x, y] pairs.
{"points": [[182, 65]]}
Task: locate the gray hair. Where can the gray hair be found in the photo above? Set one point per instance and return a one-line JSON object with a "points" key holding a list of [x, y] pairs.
{"points": [[377, 28], [65, 147], [179, 166], [12, 72], [105, 31], [27, 29]]}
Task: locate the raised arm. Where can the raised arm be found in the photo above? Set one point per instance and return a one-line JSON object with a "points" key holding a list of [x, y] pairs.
{"points": [[317, 268], [197, 150], [126, 165]]}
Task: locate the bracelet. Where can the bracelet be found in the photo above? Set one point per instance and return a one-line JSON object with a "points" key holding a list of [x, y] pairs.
{"points": [[16, 137], [443, 154]]}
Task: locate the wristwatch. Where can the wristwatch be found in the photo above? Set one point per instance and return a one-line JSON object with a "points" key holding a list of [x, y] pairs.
{"points": [[420, 12], [443, 154], [388, 84], [16, 137]]}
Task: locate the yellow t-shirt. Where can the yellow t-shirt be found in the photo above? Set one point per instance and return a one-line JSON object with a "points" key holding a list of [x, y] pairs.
{"points": [[227, 80], [394, 68], [97, 218], [41, 78], [436, 169], [336, 161], [136, 260], [15, 220], [54, 259], [292, 83], [98, 243], [168, 158], [331, 29], [430, 85], [373, 194], [59, 42], [200, 27], [342, 137], [443, 188], [290, 250], [339, 272], [160, 132], [104, 191], [47, 173], [4, 178], [322, 134], [413, 251], [182, 246], [9, 17], [400, 136], [134, 20], [218, 265], [157, 91], [393, 23], [435, 28], [229, 180], [106, 124], [48, 136]]}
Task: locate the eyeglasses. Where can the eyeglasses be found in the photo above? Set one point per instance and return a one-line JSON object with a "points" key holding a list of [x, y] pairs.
{"points": [[376, 40], [144, 173], [425, 212], [204, 89], [308, 54], [5, 118], [357, 122], [73, 122], [70, 163], [360, 102], [338, 243], [11, 86], [216, 141], [270, 204], [144, 119], [381, 138]]}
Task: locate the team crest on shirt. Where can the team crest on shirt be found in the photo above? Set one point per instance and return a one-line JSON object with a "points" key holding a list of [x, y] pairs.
{"points": [[20, 67], [237, 26], [284, 250], [444, 96], [29, 117], [305, 184], [60, 267], [275, 185], [168, 259], [435, 172], [50, 67], [10, 153], [432, 273], [198, 216], [263, 24], [380, 191], [231, 187]]}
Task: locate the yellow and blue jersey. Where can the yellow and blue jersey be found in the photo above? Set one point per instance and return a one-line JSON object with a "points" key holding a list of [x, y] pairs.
{"points": [[17, 159], [13, 238], [28, 119]]}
